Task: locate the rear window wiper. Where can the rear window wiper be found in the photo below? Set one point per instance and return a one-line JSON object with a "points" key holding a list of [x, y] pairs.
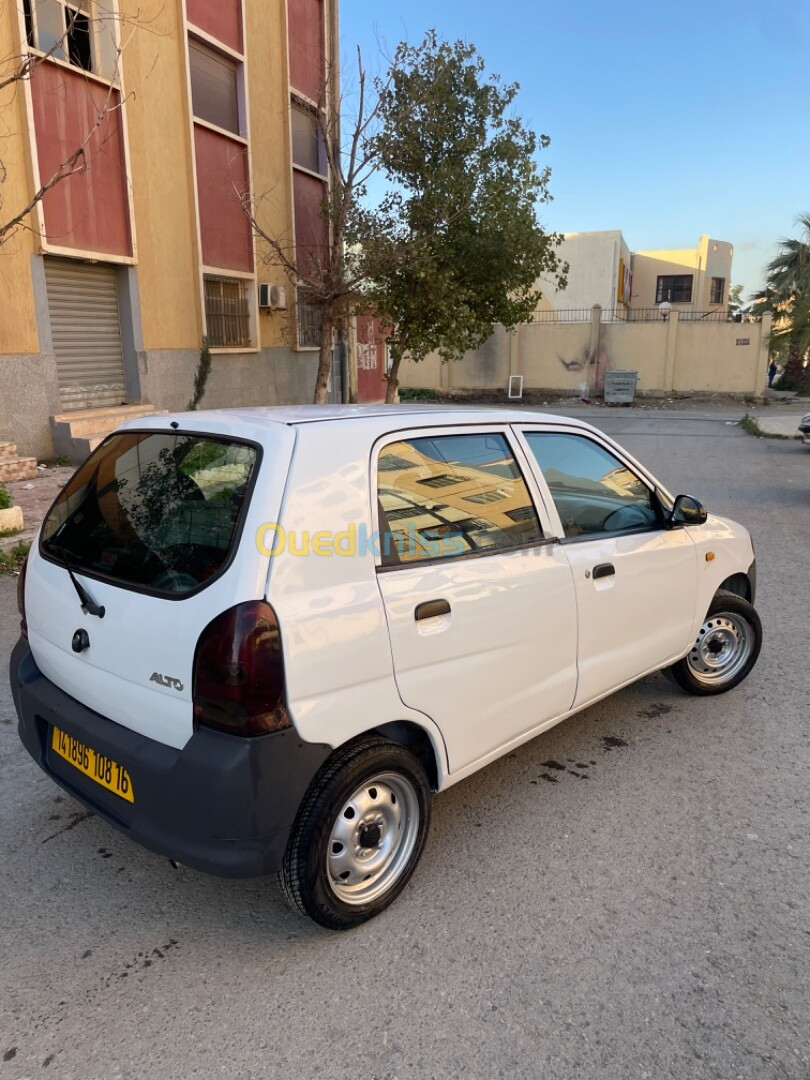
{"points": [[89, 606]]}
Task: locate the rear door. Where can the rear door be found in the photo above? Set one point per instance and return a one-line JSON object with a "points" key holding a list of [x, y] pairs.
{"points": [[480, 606], [158, 528], [635, 580]]}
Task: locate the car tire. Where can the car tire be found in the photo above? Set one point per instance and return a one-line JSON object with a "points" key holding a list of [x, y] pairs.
{"points": [[359, 835], [725, 649]]}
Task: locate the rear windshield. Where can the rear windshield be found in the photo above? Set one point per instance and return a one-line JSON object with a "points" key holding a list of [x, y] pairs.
{"points": [[155, 510]]}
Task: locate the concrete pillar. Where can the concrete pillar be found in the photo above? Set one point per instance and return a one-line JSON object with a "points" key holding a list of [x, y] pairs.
{"points": [[671, 351]]}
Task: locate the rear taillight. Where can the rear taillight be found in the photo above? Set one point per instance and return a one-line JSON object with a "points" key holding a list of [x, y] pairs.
{"points": [[21, 598], [239, 672]]}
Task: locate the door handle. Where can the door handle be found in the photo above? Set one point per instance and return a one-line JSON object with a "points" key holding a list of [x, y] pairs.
{"points": [[430, 609], [604, 569]]}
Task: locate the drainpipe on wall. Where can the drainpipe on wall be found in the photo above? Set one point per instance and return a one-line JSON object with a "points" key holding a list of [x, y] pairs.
{"points": [[512, 336], [671, 348], [593, 349]]}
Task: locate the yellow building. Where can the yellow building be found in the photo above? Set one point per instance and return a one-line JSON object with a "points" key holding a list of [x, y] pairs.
{"points": [[691, 279], [169, 115]]}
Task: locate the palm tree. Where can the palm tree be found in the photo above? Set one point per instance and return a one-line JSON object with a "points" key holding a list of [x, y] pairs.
{"points": [[787, 295]]}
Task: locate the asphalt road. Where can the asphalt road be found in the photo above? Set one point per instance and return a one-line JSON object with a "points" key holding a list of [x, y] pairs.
{"points": [[648, 918]]}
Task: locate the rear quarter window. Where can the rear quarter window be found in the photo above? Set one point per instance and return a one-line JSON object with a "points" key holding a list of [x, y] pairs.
{"points": [[158, 511]]}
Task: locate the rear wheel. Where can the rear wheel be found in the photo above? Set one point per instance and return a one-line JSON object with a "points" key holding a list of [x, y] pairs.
{"points": [[359, 834], [725, 649]]}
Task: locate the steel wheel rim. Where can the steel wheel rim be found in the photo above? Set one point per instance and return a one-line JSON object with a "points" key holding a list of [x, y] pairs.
{"points": [[722, 648], [372, 839]]}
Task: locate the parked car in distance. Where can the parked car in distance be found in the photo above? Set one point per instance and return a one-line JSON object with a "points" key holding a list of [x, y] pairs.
{"points": [[804, 429], [259, 640]]}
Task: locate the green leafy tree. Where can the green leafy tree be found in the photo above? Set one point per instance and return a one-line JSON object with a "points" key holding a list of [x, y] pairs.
{"points": [[735, 300], [787, 294], [454, 247]]}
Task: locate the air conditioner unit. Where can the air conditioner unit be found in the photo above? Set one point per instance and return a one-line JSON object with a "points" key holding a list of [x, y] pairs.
{"points": [[272, 297]]}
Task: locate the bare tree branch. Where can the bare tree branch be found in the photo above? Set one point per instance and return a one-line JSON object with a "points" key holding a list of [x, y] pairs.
{"points": [[323, 273], [80, 158]]}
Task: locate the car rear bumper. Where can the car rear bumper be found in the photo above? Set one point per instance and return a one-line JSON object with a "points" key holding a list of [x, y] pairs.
{"points": [[224, 805]]}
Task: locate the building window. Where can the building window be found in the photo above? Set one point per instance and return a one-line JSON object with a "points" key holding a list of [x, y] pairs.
{"points": [[308, 148], [29, 24], [676, 288], [310, 320], [77, 39], [227, 312], [718, 289], [214, 87], [83, 34]]}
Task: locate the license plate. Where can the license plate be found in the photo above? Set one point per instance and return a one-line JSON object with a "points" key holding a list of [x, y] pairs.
{"points": [[103, 770]]}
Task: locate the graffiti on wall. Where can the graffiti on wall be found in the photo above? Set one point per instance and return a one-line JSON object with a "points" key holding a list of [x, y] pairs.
{"points": [[367, 355], [586, 360]]}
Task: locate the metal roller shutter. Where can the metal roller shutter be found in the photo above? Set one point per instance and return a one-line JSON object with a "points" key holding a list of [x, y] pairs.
{"points": [[86, 330], [214, 93]]}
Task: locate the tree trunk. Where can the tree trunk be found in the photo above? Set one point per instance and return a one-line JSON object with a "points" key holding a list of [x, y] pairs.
{"points": [[350, 345], [324, 362], [796, 376], [393, 379]]}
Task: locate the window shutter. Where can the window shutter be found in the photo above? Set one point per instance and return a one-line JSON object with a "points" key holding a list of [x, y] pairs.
{"points": [[214, 94], [307, 141]]}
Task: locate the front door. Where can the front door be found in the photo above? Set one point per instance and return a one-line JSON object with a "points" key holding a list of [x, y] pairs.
{"points": [[635, 581], [480, 607]]}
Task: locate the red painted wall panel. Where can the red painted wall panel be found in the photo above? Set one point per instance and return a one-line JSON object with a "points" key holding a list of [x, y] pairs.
{"points": [[311, 230], [89, 210], [222, 19], [222, 173], [371, 385], [306, 46]]}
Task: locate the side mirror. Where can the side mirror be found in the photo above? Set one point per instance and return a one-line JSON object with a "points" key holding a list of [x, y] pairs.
{"points": [[687, 510]]}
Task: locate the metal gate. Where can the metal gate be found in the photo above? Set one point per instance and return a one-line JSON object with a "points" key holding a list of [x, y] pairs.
{"points": [[86, 331]]}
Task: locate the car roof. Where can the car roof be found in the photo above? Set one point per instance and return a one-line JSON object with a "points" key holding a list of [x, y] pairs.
{"points": [[293, 415]]}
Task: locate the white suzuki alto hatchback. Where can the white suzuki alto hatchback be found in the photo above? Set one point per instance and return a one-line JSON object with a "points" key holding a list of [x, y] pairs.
{"points": [[256, 640]]}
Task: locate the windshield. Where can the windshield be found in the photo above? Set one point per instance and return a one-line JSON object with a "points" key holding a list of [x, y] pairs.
{"points": [[155, 510]]}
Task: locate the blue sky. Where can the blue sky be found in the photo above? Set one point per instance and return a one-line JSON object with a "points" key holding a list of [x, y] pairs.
{"points": [[666, 121]]}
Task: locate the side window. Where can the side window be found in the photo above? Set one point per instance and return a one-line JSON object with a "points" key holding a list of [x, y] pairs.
{"points": [[449, 495], [593, 491]]}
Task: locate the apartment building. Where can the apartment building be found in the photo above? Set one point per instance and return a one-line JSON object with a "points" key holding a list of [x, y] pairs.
{"points": [[169, 116]]}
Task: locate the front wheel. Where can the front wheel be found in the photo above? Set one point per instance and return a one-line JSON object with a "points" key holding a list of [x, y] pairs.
{"points": [[725, 649], [359, 835]]}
